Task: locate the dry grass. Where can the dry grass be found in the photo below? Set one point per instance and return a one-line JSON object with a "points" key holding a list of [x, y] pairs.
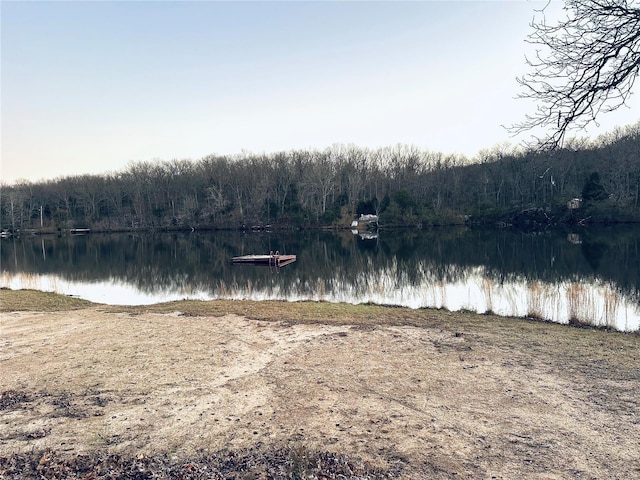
{"points": [[611, 305], [24, 300], [487, 287], [536, 297], [295, 312]]}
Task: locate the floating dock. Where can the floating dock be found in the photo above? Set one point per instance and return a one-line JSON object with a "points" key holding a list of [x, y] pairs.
{"points": [[276, 260]]}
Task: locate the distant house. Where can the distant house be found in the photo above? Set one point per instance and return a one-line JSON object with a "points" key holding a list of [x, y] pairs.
{"points": [[368, 218], [365, 221], [574, 203]]}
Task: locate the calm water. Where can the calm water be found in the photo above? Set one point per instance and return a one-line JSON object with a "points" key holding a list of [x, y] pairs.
{"points": [[591, 274]]}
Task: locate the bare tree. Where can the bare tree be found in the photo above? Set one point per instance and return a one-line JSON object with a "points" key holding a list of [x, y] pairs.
{"points": [[584, 65]]}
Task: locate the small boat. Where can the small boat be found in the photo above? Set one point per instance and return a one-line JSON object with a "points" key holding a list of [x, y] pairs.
{"points": [[273, 260]]}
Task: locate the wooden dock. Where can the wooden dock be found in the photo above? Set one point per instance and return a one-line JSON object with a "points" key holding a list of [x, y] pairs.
{"points": [[272, 260]]}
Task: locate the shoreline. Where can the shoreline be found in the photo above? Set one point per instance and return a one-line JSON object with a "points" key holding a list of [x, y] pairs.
{"points": [[581, 310]]}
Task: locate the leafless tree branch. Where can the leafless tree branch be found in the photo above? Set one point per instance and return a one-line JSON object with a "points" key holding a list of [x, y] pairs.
{"points": [[583, 66]]}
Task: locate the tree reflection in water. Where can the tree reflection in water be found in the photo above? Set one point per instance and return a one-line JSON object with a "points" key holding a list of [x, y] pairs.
{"points": [[591, 275]]}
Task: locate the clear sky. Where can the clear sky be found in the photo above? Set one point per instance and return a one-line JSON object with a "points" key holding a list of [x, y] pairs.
{"points": [[88, 87]]}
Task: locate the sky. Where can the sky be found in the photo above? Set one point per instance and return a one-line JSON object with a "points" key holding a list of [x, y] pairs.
{"points": [[90, 87]]}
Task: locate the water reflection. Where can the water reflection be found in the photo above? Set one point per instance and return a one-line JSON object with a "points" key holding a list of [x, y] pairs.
{"points": [[589, 276]]}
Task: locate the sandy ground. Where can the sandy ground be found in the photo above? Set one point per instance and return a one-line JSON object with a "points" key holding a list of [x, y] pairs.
{"points": [[430, 400]]}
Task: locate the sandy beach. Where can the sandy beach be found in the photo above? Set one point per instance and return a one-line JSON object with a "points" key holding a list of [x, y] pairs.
{"points": [[391, 392]]}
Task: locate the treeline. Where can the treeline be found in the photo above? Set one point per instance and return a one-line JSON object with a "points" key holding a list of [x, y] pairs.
{"points": [[404, 185]]}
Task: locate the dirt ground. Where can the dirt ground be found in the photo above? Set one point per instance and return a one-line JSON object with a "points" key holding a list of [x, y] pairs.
{"points": [[408, 394]]}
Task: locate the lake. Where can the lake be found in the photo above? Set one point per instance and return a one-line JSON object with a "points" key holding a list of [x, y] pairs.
{"points": [[589, 275]]}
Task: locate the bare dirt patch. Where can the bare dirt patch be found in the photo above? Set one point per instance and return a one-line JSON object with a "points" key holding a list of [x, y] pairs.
{"points": [[305, 390]]}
